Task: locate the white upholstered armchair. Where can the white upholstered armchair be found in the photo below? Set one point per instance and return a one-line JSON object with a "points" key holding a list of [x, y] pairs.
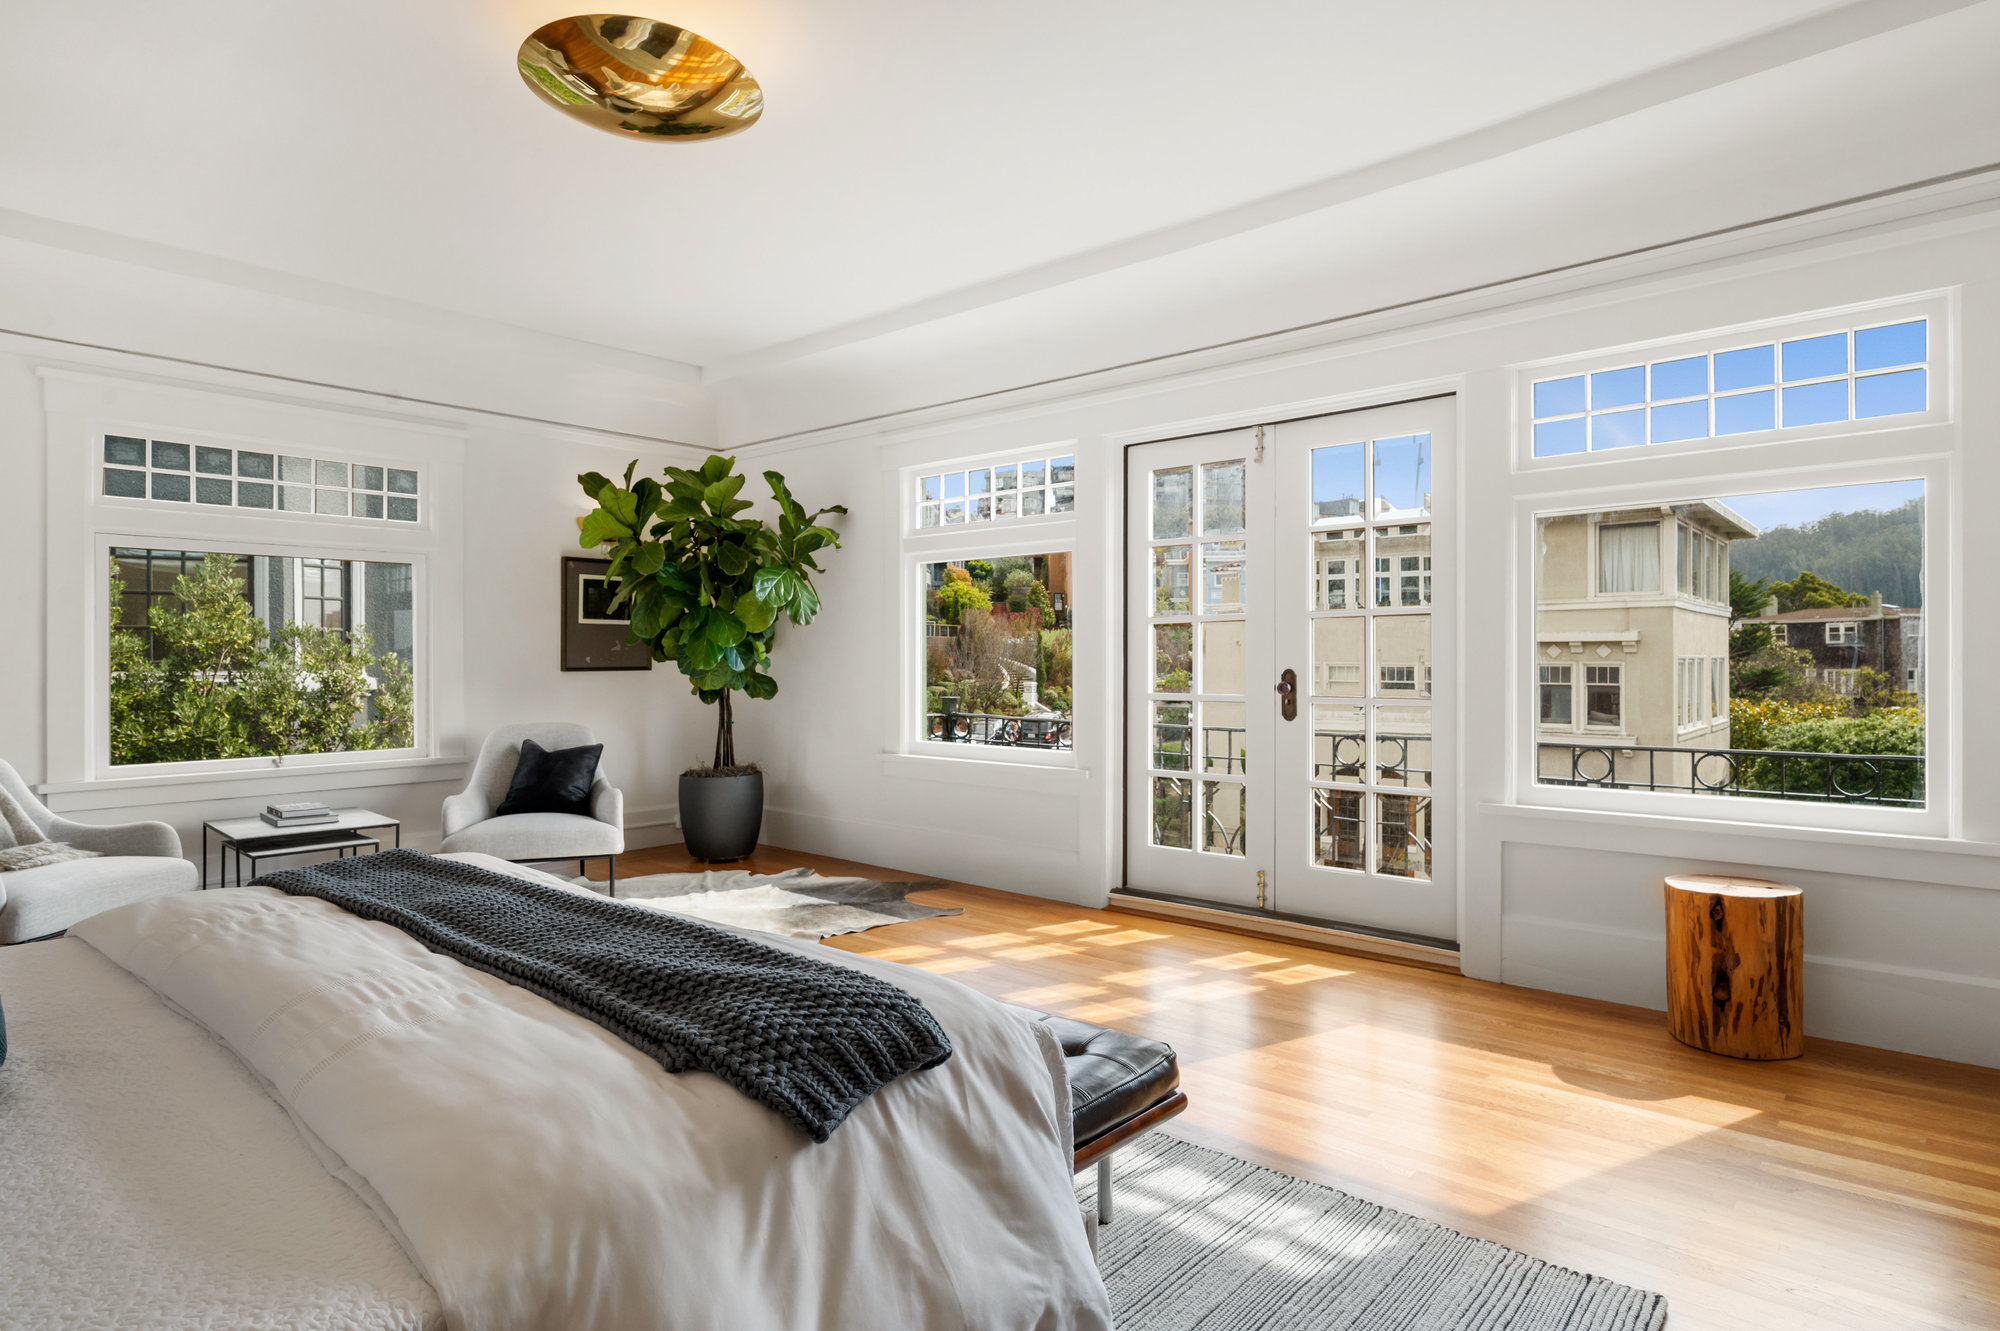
{"points": [[470, 824], [134, 861]]}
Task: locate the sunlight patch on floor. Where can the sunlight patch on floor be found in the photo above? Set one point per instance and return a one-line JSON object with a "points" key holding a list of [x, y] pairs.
{"points": [[1396, 1122], [1214, 989], [952, 965], [1113, 1011], [908, 952], [1303, 973], [1122, 937], [1037, 951], [1070, 927], [1145, 976], [987, 940], [1237, 961], [1049, 995]]}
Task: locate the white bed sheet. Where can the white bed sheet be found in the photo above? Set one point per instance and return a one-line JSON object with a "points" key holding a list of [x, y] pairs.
{"points": [[540, 1172], [146, 1180]]}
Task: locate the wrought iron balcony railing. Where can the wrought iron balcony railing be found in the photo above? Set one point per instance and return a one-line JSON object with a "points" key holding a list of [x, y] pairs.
{"points": [[1337, 755], [1892, 779], [1040, 731]]}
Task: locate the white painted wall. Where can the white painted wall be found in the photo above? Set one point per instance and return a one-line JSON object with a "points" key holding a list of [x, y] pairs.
{"points": [[1901, 930], [517, 508]]}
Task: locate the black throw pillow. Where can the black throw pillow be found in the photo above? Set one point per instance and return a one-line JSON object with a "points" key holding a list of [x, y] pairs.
{"points": [[552, 782]]}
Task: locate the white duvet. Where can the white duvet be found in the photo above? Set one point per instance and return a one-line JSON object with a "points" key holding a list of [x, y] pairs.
{"points": [[542, 1173]]}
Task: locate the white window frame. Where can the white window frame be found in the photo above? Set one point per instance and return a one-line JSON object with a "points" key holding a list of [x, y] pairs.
{"points": [[86, 525], [1043, 534], [1781, 634], [1843, 633], [1940, 383], [1862, 458]]}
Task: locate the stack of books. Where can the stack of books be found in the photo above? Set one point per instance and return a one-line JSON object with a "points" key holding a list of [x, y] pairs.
{"points": [[305, 814]]}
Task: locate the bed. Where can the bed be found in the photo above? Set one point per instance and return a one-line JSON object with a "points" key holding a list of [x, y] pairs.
{"points": [[250, 1109]]}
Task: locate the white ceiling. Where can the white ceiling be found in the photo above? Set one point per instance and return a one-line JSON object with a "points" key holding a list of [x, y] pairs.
{"points": [[915, 159]]}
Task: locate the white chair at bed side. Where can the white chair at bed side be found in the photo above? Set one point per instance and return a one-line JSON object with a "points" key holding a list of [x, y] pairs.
{"points": [[525, 838], [135, 861]]}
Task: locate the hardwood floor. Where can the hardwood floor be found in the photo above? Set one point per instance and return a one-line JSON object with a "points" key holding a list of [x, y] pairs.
{"points": [[1852, 1188]]}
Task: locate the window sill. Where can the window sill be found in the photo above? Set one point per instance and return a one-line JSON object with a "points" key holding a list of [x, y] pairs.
{"points": [[1016, 774], [1864, 852], [297, 776]]}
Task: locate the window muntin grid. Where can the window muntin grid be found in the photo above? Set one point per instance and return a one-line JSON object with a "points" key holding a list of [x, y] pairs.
{"points": [[1369, 688], [1200, 633], [163, 471], [1858, 373], [1026, 488]]}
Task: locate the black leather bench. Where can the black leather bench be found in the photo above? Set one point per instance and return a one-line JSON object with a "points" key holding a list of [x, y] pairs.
{"points": [[1120, 1087]]}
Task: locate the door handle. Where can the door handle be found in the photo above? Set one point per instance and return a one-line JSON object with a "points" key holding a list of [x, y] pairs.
{"points": [[1288, 695]]}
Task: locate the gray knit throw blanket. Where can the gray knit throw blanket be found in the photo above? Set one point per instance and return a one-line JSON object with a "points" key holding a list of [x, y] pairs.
{"points": [[807, 1038]]}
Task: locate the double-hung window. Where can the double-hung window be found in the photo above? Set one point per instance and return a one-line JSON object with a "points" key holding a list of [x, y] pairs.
{"points": [[1712, 693], [992, 599], [1604, 696], [242, 593]]}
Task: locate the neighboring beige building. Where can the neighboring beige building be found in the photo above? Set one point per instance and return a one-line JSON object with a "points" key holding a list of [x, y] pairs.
{"points": [[1632, 640]]}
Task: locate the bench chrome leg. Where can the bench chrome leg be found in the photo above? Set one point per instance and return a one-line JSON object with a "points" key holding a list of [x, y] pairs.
{"points": [[1104, 1189]]}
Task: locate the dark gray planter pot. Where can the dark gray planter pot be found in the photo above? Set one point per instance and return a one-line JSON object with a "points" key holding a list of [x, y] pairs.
{"points": [[721, 815]]}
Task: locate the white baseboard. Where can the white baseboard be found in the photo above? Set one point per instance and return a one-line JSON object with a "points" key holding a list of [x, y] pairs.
{"points": [[952, 852], [1271, 926]]}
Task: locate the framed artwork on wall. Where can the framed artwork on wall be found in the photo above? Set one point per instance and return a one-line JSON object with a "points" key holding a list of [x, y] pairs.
{"points": [[593, 634]]}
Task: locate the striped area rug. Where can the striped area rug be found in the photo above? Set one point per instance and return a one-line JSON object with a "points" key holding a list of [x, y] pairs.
{"points": [[1202, 1241]]}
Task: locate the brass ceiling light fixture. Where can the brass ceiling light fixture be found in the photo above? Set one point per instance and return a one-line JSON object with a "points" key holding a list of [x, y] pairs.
{"points": [[640, 76]]}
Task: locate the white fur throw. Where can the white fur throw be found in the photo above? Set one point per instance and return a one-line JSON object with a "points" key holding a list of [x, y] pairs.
{"points": [[16, 827], [39, 853]]}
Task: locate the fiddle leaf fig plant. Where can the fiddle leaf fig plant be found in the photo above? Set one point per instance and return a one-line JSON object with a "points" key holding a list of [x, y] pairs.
{"points": [[707, 585]]}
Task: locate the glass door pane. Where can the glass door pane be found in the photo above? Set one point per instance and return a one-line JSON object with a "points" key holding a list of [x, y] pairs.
{"points": [[1199, 812], [1357, 608]]}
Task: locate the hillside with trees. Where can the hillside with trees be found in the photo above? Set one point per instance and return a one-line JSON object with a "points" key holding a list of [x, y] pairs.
{"points": [[1863, 552]]}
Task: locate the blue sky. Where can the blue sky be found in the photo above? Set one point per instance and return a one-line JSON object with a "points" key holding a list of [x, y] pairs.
{"points": [[1794, 508]]}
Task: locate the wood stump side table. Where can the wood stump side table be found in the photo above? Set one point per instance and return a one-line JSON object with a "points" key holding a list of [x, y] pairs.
{"points": [[1735, 965]]}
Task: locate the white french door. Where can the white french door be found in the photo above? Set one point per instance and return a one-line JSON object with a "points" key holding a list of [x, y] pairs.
{"points": [[1283, 666], [1198, 719]]}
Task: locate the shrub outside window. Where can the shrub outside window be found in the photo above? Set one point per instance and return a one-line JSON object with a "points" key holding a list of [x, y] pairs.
{"points": [[216, 655], [997, 651]]}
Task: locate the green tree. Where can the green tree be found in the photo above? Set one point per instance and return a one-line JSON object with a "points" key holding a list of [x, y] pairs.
{"points": [[958, 595], [1748, 598], [1809, 591], [217, 684], [1878, 552], [1019, 583]]}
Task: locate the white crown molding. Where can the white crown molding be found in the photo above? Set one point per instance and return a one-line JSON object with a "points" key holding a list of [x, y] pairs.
{"points": [[1967, 201]]}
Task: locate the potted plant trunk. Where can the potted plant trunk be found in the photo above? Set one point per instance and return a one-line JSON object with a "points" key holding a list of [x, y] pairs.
{"points": [[707, 588]]}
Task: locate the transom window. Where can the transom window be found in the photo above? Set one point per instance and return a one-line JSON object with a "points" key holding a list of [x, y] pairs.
{"points": [[1855, 373], [1023, 489], [163, 471]]}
